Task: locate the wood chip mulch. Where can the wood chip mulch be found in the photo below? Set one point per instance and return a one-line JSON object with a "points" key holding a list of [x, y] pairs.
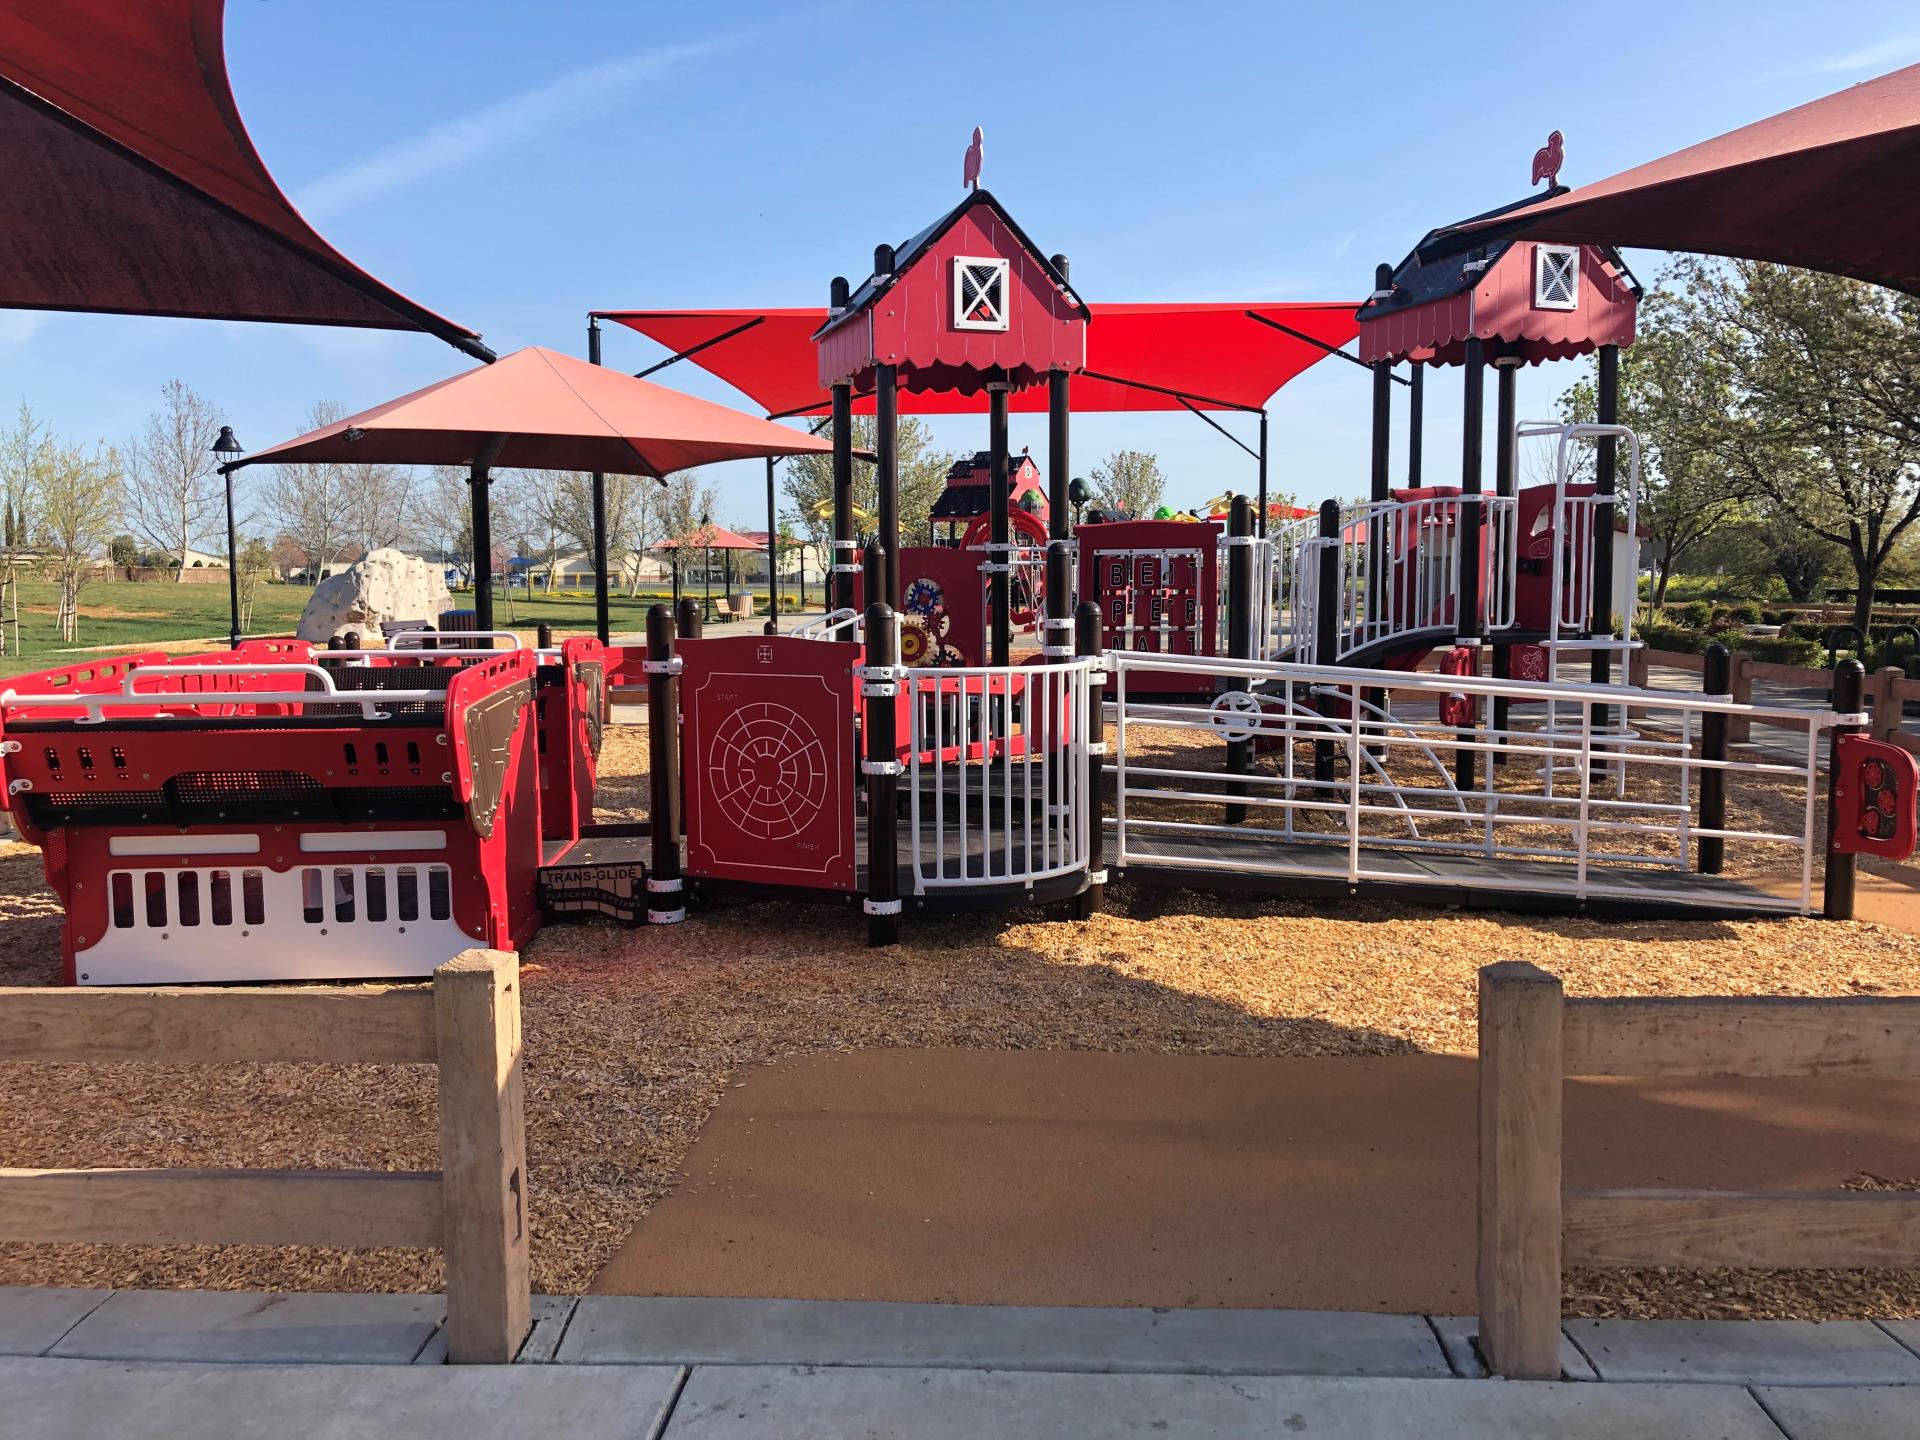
{"points": [[633, 1035]]}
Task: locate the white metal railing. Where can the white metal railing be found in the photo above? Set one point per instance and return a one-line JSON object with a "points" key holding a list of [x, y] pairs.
{"points": [[1565, 800], [96, 703], [1573, 519], [431, 640], [842, 624], [996, 773]]}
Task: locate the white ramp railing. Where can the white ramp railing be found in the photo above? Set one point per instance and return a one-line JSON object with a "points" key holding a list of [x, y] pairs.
{"points": [[1587, 791]]}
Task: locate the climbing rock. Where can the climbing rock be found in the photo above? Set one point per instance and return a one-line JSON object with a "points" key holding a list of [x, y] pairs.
{"points": [[385, 585]]}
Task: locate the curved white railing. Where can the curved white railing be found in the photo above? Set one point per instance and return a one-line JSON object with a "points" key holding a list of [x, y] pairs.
{"points": [[996, 773]]}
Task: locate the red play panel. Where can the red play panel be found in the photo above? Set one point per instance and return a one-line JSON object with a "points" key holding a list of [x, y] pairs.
{"points": [[767, 754]]}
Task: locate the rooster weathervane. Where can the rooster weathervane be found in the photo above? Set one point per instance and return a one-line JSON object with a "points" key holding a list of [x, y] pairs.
{"points": [[970, 168], [1547, 160]]}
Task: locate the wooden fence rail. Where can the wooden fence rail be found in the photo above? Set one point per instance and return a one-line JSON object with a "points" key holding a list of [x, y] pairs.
{"points": [[473, 1208], [1889, 690], [1532, 1037]]}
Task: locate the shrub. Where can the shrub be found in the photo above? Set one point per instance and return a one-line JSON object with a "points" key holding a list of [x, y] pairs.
{"points": [[1695, 613], [1786, 650]]}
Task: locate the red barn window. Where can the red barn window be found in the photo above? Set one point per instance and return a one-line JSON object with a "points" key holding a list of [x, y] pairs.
{"points": [[1556, 277], [979, 293]]}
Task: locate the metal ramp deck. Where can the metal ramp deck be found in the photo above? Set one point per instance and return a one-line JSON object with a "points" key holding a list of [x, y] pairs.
{"points": [[1261, 863]]}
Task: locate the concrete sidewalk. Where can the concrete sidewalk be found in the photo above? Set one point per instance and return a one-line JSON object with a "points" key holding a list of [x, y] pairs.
{"points": [[217, 1364]]}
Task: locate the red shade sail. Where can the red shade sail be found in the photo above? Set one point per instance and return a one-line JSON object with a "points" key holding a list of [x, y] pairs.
{"points": [[1828, 186], [1225, 356], [132, 187], [549, 412]]}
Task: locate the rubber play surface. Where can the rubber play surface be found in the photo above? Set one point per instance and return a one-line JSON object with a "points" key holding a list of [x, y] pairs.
{"points": [[1072, 1178]]}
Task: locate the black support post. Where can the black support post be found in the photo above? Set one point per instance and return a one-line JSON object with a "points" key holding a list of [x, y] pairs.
{"points": [[999, 567], [886, 450], [1380, 483], [687, 620], [233, 570], [601, 580], [666, 904], [773, 554], [1261, 518], [1849, 698], [1505, 480], [1716, 678], [1468, 618], [878, 688], [1416, 419], [840, 581], [478, 479], [1239, 633], [482, 522], [1086, 637]]}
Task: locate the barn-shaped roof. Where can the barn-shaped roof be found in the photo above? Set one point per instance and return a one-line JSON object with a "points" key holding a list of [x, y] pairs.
{"points": [[970, 481], [904, 255], [1523, 300], [967, 302]]}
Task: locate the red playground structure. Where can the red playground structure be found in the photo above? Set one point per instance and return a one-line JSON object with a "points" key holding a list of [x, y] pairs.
{"points": [[1005, 719]]}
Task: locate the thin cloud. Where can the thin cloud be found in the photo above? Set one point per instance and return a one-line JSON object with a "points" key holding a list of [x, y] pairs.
{"points": [[1885, 52], [19, 326], [573, 96]]}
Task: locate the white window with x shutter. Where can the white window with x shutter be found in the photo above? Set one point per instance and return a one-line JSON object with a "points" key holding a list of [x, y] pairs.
{"points": [[1556, 277], [979, 293]]}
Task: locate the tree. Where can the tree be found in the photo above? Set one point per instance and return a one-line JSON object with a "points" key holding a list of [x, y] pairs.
{"points": [[79, 504], [313, 502], [630, 518], [1674, 399], [539, 518], [23, 454], [256, 565], [172, 488], [1824, 373], [1130, 482], [923, 475]]}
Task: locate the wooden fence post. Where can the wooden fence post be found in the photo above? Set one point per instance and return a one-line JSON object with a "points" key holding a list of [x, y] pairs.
{"points": [[1740, 682], [1888, 707], [483, 1156], [1521, 1082]]}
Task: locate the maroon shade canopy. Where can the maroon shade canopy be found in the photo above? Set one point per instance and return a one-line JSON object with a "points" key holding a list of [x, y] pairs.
{"points": [[1226, 356], [548, 412], [1830, 185], [132, 187]]}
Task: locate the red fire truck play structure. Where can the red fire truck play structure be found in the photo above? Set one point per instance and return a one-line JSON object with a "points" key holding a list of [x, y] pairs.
{"points": [[284, 812]]}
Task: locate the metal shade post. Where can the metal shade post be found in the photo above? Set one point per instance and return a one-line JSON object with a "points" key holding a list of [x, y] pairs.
{"points": [[601, 601], [227, 446]]}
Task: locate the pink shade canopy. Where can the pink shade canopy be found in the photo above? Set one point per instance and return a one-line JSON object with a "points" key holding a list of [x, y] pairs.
{"points": [[1217, 355], [1829, 185], [556, 413], [132, 186], [713, 537]]}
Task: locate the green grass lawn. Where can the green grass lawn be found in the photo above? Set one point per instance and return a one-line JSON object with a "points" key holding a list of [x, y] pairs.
{"points": [[118, 615]]}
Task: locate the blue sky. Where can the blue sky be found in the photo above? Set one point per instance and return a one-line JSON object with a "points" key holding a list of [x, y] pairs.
{"points": [[515, 165]]}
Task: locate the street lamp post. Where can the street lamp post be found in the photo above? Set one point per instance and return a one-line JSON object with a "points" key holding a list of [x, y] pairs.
{"points": [[227, 447], [1079, 492]]}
